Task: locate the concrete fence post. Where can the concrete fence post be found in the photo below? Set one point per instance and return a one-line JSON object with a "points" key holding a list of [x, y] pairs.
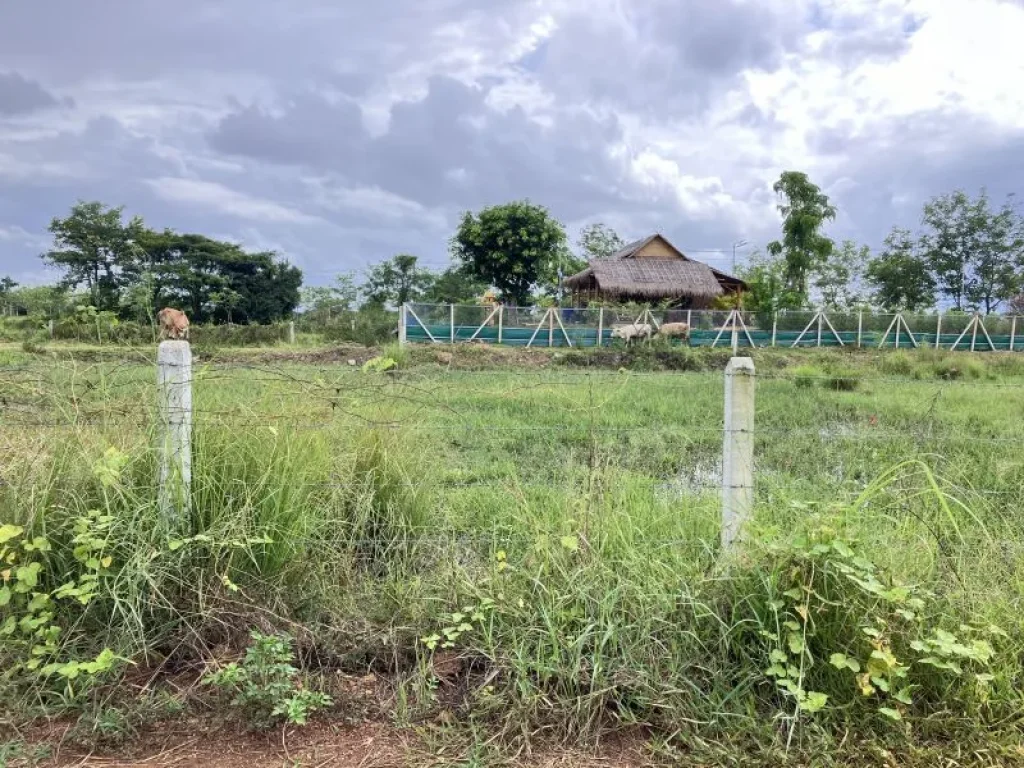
{"points": [[291, 331], [860, 328], [402, 337], [451, 322], [600, 326], [738, 449], [49, 327], [1013, 332], [501, 320], [174, 385]]}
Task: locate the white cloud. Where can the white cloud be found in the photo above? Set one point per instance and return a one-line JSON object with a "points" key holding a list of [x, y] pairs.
{"points": [[208, 194]]}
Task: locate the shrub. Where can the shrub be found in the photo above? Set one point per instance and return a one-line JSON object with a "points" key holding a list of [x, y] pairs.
{"points": [[266, 685], [804, 376], [843, 381], [897, 364]]}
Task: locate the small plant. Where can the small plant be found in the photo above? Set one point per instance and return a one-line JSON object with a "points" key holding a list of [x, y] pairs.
{"points": [[266, 685], [379, 365], [897, 364], [804, 376], [843, 381]]}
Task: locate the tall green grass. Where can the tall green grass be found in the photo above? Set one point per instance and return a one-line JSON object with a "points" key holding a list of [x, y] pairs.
{"points": [[558, 530]]}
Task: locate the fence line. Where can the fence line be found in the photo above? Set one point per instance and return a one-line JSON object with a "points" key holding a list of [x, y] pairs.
{"points": [[585, 327]]}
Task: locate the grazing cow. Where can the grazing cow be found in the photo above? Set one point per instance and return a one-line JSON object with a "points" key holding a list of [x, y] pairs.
{"points": [[173, 324], [631, 333], [674, 331]]}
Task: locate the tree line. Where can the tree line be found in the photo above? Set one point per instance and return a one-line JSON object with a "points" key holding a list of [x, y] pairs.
{"points": [[968, 254]]}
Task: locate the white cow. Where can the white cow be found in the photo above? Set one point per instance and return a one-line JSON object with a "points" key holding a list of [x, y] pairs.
{"points": [[631, 333]]}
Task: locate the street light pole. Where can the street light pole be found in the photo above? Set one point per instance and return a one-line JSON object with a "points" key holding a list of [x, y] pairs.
{"points": [[736, 245]]}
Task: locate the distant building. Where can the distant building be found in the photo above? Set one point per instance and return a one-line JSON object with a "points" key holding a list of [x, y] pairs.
{"points": [[648, 271]]}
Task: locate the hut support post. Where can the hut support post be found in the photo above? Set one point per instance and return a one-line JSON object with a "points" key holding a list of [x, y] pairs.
{"points": [[737, 449]]}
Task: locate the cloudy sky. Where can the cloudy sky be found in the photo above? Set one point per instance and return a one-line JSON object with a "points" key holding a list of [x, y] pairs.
{"points": [[339, 132]]}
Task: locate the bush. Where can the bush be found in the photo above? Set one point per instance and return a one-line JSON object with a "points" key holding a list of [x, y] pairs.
{"points": [[897, 364], [843, 381], [804, 376]]}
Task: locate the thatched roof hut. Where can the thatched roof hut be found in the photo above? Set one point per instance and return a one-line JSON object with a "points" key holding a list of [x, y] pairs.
{"points": [[651, 270]]}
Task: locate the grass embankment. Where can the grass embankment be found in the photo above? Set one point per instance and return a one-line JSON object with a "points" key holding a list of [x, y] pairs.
{"points": [[532, 554]]}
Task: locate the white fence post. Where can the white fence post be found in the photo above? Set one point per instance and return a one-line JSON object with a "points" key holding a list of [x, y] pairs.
{"points": [[600, 326], [860, 327], [737, 449], [938, 330], [451, 322], [1013, 331], [501, 320], [291, 331], [775, 326], [402, 334], [174, 384]]}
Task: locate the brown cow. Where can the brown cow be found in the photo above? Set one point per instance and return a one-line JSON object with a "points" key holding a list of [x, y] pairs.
{"points": [[173, 324], [675, 330]]}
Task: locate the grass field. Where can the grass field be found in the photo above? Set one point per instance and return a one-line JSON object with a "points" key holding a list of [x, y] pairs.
{"points": [[526, 546]]}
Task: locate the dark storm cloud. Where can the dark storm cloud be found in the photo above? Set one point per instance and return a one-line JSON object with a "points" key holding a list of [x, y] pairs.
{"points": [[889, 175], [447, 149], [19, 95], [669, 56]]}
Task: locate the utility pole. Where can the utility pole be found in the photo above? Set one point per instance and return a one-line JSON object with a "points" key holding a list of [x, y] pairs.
{"points": [[738, 244]]}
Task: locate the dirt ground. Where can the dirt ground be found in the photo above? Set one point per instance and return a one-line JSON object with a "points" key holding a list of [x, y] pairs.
{"points": [[367, 745]]}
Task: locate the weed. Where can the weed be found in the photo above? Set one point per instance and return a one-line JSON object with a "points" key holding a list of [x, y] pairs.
{"points": [[266, 685], [805, 376]]}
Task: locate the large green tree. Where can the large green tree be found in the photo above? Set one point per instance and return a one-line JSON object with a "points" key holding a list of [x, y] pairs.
{"points": [[455, 285], [218, 281], [899, 275], [598, 241], [974, 252], [97, 251], [838, 279], [767, 289], [805, 209], [396, 281], [513, 247]]}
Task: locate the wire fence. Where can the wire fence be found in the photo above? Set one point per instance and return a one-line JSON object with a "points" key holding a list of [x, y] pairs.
{"points": [[547, 430], [595, 327]]}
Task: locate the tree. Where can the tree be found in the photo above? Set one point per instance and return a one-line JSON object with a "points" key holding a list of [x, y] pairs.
{"points": [[7, 284], [900, 276], [217, 281], [512, 247], [96, 250], [838, 278], [804, 208], [454, 286], [973, 252], [767, 291], [328, 300], [598, 241], [396, 281]]}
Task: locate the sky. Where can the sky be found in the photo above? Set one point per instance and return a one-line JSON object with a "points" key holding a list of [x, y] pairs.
{"points": [[339, 133]]}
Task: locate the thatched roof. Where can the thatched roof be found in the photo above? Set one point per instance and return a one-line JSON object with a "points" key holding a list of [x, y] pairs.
{"points": [[649, 278]]}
